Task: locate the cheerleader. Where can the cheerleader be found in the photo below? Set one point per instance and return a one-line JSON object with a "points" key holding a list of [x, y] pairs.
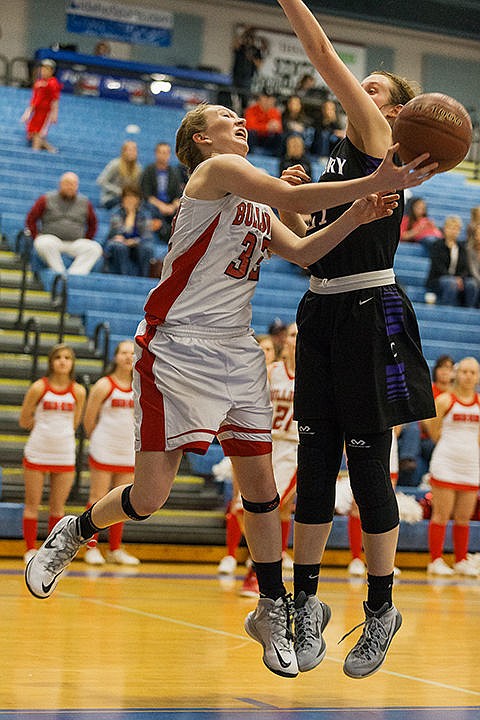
{"points": [[108, 423], [51, 410], [455, 469]]}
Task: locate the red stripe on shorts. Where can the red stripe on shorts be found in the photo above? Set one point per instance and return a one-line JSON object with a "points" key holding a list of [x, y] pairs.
{"points": [[245, 448], [165, 294], [152, 427]]}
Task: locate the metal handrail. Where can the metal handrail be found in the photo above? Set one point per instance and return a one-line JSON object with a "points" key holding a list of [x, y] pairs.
{"points": [[31, 326], [59, 300], [75, 494], [106, 342], [24, 250]]}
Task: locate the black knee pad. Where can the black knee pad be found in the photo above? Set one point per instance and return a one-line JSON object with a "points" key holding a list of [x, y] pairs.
{"points": [[127, 506], [369, 471], [319, 458], [261, 507]]}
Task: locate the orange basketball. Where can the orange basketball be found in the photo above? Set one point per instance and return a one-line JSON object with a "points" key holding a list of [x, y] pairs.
{"points": [[437, 124]]}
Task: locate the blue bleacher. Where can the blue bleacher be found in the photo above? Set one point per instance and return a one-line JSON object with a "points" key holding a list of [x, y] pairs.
{"points": [[90, 132]]}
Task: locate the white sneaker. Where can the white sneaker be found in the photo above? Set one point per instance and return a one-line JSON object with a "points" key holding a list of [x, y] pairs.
{"points": [[466, 567], [369, 653], [57, 552], [287, 561], [311, 618], [474, 558], [93, 556], [227, 565], [29, 555], [121, 557], [270, 624], [357, 567], [439, 567]]}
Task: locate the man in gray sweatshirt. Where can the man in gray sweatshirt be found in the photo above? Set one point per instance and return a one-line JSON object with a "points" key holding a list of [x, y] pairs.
{"points": [[67, 225]]}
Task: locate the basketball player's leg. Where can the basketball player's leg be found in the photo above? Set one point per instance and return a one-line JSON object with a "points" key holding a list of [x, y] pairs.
{"points": [[270, 623], [369, 469], [154, 476]]}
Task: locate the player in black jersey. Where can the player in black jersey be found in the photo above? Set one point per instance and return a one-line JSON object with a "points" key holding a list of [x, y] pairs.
{"points": [[360, 368]]}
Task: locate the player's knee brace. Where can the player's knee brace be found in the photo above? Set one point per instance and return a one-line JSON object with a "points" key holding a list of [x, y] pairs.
{"points": [[369, 471], [261, 507], [127, 506], [319, 457]]}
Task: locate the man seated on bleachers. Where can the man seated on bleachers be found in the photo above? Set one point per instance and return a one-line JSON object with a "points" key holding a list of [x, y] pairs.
{"points": [[67, 225], [162, 186]]}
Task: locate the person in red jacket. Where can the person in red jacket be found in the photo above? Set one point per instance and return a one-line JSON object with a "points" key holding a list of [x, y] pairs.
{"points": [[43, 108], [264, 124]]}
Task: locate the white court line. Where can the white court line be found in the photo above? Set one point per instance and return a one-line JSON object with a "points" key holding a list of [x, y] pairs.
{"points": [[211, 630]]}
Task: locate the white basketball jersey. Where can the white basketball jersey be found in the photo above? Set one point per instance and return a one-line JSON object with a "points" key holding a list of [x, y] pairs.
{"points": [[284, 427], [52, 440], [456, 457], [112, 439], [212, 266]]}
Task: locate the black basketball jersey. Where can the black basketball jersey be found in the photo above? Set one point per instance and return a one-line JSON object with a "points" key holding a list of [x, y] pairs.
{"points": [[369, 247]]}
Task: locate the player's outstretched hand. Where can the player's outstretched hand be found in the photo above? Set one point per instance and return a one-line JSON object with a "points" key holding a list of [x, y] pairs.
{"points": [[295, 175], [375, 206], [399, 177]]}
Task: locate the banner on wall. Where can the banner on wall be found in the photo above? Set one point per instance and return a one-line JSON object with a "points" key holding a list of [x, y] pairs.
{"points": [[285, 62], [115, 21]]}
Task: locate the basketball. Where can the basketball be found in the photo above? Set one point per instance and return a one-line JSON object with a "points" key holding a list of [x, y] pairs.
{"points": [[437, 124]]}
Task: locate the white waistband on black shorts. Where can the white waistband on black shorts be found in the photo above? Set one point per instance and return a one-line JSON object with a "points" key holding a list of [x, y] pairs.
{"points": [[347, 283], [203, 331]]}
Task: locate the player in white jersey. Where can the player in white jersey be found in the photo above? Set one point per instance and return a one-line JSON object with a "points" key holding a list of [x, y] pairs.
{"points": [[108, 422], [455, 468], [198, 370], [51, 410]]}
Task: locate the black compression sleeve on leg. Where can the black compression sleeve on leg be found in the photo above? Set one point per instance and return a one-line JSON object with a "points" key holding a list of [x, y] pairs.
{"points": [[127, 506]]}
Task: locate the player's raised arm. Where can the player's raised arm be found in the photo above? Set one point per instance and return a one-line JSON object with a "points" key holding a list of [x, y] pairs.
{"points": [[307, 250]]}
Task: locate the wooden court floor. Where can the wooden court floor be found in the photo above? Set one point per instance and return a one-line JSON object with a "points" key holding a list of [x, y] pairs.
{"points": [[166, 641]]}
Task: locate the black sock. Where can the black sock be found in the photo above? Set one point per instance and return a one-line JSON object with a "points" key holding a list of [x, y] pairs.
{"points": [[305, 577], [379, 591], [269, 576], [85, 526]]}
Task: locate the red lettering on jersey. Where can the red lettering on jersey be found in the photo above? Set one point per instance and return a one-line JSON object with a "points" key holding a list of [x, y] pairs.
{"points": [[464, 417], [121, 403], [240, 215], [54, 405]]}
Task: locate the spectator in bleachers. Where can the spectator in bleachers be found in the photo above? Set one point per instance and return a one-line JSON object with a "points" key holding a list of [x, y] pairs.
{"points": [[294, 118], [118, 173], [295, 155], [248, 53], [455, 469], [264, 124], [129, 246], [67, 225], [450, 277], [162, 186], [51, 410], [473, 254], [43, 108], [474, 221], [102, 49], [416, 226], [328, 129]]}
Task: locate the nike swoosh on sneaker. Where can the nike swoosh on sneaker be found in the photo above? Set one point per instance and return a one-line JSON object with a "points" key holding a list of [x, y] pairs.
{"points": [[47, 588], [49, 544], [282, 662]]}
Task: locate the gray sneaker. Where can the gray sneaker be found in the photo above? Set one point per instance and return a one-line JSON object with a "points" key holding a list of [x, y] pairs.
{"points": [[45, 568], [311, 618], [368, 655], [270, 624]]}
